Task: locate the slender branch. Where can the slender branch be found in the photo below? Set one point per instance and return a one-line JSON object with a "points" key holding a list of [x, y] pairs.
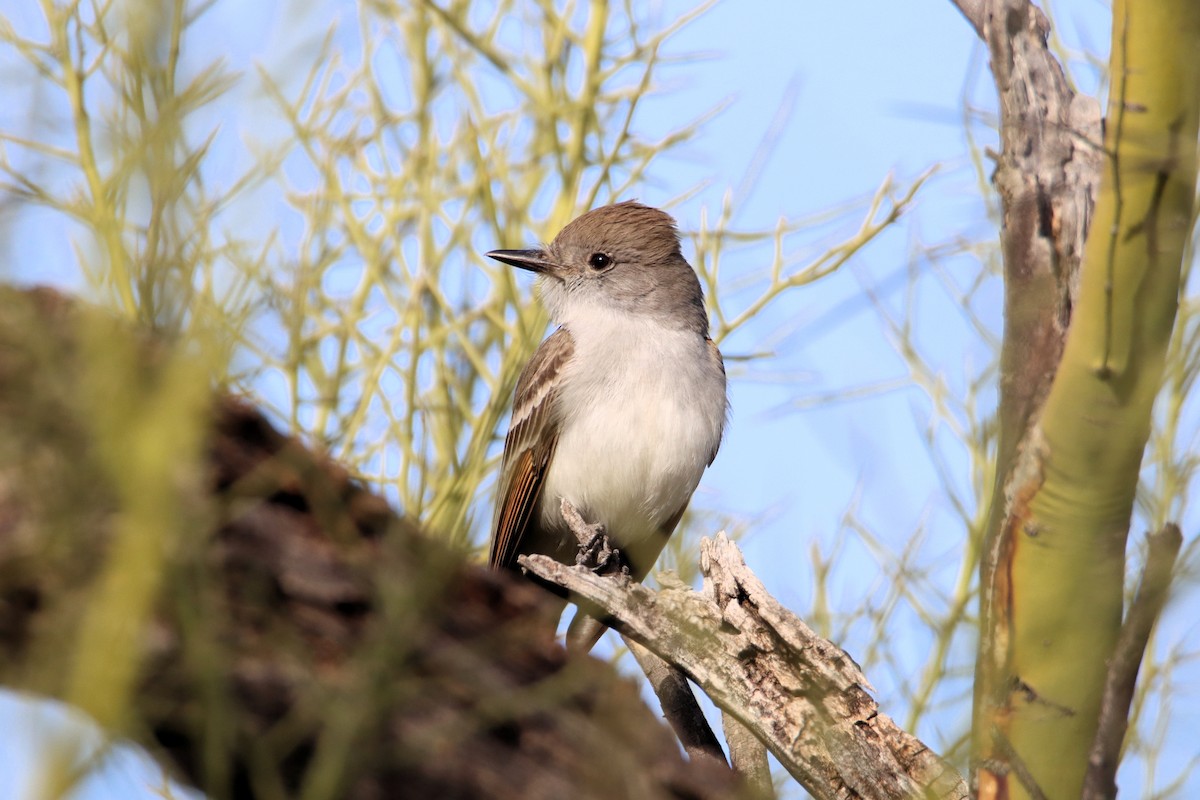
{"points": [[749, 757], [1014, 764], [1101, 779], [679, 706]]}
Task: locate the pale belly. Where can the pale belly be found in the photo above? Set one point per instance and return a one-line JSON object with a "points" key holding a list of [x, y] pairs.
{"points": [[635, 441]]}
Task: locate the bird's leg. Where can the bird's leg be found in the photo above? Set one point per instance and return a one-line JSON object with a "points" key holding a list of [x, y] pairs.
{"points": [[595, 551]]}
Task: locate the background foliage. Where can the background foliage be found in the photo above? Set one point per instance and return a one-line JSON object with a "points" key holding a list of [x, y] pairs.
{"points": [[310, 215]]}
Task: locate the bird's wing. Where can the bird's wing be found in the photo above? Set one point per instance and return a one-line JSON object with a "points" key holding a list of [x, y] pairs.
{"points": [[528, 448], [714, 354]]}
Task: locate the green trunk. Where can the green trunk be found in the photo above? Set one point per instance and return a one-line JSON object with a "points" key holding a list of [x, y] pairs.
{"points": [[1069, 496]]}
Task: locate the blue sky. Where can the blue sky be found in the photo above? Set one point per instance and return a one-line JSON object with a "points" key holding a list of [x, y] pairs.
{"points": [[873, 88]]}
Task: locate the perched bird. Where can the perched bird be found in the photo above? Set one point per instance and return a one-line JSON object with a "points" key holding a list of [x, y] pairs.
{"points": [[620, 410]]}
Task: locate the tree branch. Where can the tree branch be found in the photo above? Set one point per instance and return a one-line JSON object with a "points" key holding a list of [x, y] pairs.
{"points": [[1101, 779], [305, 640], [800, 694], [1046, 177], [1076, 411], [679, 706], [749, 757]]}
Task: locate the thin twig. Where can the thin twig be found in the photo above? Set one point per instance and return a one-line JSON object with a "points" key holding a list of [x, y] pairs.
{"points": [[1015, 764]]}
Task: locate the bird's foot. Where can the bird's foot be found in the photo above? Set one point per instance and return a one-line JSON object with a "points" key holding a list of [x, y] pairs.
{"points": [[595, 551]]}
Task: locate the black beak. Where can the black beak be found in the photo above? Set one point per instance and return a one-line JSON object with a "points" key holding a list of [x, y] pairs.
{"points": [[532, 260]]}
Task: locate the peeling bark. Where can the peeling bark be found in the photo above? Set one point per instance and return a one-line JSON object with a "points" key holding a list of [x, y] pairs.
{"points": [[1086, 327], [801, 695], [1046, 176]]}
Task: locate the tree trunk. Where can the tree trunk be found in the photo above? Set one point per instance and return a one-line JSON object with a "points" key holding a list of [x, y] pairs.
{"points": [[1082, 362]]}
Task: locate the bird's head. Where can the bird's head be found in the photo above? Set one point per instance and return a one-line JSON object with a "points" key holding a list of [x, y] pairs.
{"points": [[623, 257]]}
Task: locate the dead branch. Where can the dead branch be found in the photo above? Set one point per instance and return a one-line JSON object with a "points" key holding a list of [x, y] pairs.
{"points": [[679, 705], [801, 695], [749, 757]]}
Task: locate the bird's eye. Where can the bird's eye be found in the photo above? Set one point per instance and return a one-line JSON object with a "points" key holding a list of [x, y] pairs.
{"points": [[599, 261]]}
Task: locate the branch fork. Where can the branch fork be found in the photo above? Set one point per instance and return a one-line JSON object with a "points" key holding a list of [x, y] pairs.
{"points": [[801, 696]]}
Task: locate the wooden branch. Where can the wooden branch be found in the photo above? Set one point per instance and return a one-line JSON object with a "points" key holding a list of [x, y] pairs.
{"points": [[1047, 175], [1076, 409], [307, 641], [749, 757], [679, 706], [1101, 779], [801, 695]]}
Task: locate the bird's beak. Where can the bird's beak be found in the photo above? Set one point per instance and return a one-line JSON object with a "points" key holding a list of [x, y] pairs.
{"points": [[533, 260]]}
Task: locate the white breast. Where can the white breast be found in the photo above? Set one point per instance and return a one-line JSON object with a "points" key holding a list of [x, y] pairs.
{"points": [[643, 410]]}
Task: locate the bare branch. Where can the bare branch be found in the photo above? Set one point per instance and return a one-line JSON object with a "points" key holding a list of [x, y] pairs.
{"points": [[1101, 779], [800, 694], [1046, 177], [679, 706], [749, 757]]}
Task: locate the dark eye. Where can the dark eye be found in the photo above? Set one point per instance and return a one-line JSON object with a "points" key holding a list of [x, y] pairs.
{"points": [[599, 261]]}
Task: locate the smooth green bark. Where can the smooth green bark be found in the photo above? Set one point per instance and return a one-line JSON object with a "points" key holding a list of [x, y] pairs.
{"points": [[1071, 498]]}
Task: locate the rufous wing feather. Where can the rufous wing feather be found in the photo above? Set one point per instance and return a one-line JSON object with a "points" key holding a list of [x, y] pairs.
{"points": [[528, 450]]}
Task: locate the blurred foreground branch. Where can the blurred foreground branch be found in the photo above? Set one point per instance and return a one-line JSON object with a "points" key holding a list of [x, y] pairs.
{"points": [[300, 638]]}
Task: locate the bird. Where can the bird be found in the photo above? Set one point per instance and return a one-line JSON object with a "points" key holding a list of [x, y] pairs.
{"points": [[621, 409]]}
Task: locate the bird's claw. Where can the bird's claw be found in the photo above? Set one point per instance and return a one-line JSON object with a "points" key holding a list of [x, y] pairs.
{"points": [[595, 551], [598, 555]]}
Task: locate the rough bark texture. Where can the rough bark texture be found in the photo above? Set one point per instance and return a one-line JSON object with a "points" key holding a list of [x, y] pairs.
{"points": [[1046, 176], [306, 639], [800, 694], [1086, 331]]}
